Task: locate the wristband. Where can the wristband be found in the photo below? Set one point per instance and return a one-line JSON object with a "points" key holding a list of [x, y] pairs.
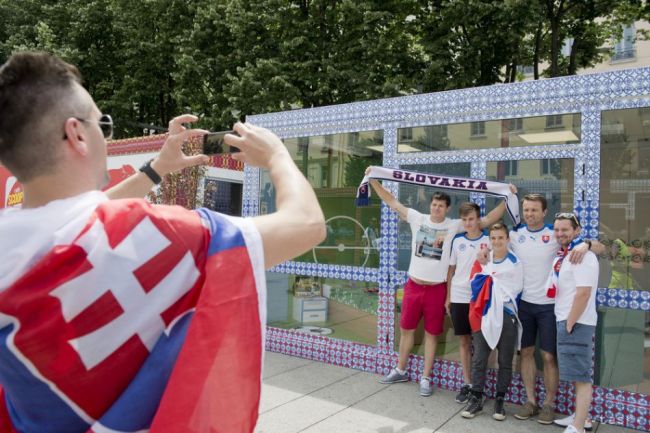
{"points": [[148, 170]]}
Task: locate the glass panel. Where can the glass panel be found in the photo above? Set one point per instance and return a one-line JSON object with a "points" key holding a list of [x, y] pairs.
{"points": [[625, 198], [527, 131], [323, 306], [623, 336], [622, 350], [552, 177], [222, 196], [335, 165]]}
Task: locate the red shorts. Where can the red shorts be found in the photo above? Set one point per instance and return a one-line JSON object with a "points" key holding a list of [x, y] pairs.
{"points": [[424, 300]]}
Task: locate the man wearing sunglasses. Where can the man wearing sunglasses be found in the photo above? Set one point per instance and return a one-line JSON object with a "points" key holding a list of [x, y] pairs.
{"points": [[118, 315], [574, 287]]}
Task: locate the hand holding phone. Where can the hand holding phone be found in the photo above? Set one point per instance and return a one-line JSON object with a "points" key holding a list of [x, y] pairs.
{"points": [[213, 143]]}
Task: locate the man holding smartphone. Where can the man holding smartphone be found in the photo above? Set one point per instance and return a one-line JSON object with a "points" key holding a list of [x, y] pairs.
{"points": [[119, 315]]}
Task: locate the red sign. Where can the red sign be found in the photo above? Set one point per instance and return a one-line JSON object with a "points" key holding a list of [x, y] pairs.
{"points": [[11, 191]]}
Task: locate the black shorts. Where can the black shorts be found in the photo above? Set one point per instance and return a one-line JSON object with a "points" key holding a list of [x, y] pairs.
{"points": [[460, 318], [538, 319]]}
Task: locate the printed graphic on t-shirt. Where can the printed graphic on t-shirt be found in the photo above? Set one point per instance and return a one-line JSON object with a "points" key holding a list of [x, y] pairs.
{"points": [[429, 242]]}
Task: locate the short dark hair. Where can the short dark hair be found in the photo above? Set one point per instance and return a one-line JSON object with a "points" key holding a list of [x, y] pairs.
{"points": [[500, 226], [441, 196], [568, 216], [469, 207], [537, 197], [34, 87]]}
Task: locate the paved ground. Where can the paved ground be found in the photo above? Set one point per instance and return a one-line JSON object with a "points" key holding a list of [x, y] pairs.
{"points": [[300, 395]]}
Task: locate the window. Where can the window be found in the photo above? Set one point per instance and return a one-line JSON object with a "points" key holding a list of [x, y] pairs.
{"points": [[406, 134], [516, 125], [511, 168], [335, 175], [526, 70], [554, 121], [478, 129], [624, 47], [549, 167]]}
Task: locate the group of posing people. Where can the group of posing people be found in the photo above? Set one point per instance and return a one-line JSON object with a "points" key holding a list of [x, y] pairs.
{"points": [[503, 289]]}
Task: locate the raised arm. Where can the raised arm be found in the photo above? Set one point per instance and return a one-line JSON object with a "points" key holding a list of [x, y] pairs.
{"points": [[170, 159], [298, 224], [388, 198], [497, 213]]}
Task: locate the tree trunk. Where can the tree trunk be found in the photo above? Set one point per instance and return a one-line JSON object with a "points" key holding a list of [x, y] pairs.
{"points": [[573, 58], [538, 43], [513, 72]]}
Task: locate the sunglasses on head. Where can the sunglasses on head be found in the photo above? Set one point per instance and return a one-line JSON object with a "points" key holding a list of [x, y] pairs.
{"points": [[567, 216], [105, 123]]}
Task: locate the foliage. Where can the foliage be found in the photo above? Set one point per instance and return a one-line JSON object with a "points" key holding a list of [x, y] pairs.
{"points": [[145, 61]]}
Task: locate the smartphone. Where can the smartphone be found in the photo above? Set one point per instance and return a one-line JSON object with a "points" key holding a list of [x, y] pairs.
{"points": [[213, 143]]}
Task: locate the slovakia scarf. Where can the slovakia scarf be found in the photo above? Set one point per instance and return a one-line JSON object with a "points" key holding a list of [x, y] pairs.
{"points": [[494, 285], [551, 284], [495, 189]]}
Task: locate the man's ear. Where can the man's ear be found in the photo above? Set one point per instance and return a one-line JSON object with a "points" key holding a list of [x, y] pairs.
{"points": [[75, 136]]}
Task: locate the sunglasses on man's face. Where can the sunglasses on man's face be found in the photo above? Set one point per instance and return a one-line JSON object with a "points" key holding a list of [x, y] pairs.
{"points": [[567, 216], [105, 123]]}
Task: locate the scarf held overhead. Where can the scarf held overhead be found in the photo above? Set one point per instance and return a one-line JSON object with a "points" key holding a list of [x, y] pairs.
{"points": [[495, 189]]}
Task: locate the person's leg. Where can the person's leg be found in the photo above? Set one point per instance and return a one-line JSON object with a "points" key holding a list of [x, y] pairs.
{"points": [[434, 320], [551, 377], [479, 362], [506, 348], [405, 345], [583, 401], [547, 327], [466, 357], [528, 367]]}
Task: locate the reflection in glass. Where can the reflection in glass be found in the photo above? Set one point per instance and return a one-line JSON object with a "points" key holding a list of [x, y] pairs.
{"points": [[335, 165], [323, 306], [519, 132], [222, 196], [551, 177], [623, 336]]}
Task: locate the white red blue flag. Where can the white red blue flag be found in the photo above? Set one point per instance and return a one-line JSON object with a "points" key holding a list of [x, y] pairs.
{"points": [[120, 316]]}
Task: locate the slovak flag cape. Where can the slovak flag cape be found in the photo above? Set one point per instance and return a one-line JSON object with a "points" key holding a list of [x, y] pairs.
{"points": [[120, 316], [494, 285]]}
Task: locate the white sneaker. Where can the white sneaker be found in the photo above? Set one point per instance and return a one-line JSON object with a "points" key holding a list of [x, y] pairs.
{"points": [[571, 429], [567, 421], [425, 387]]}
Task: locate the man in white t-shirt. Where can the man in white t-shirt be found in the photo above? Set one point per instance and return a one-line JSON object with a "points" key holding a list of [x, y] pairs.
{"points": [[464, 247], [425, 291], [575, 311], [535, 244]]}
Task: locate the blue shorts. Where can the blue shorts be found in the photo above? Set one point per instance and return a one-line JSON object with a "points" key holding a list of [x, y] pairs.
{"points": [[575, 352], [538, 318]]}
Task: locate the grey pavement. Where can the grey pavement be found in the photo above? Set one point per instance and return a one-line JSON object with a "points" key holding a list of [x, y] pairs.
{"points": [[299, 395]]}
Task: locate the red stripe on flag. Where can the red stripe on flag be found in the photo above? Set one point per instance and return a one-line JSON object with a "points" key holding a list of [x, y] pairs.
{"points": [[215, 385]]}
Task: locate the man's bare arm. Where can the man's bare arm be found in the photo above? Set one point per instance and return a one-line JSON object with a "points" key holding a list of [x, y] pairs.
{"points": [[298, 224], [497, 213], [388, 198], [170, 159]]}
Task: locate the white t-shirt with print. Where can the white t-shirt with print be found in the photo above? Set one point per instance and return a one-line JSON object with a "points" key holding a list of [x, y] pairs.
{"points": [[430, 246], [463, 256], [571, 276], [536, 249]]}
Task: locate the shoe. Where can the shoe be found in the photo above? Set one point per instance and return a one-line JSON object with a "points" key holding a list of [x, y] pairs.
{"points": [[463, 394], [499, 409], [567, 421], [425, 387], [546, 415], [474, 407], [527, 410], [571, 429], [395, 377]]}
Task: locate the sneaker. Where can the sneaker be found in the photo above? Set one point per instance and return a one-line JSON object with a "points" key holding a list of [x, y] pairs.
{"points": [[565, 422], [474, 407], [425, 387], [499, 409], [395, 377], [546, 415], [463, 395], [527, 410], [571, 429]]}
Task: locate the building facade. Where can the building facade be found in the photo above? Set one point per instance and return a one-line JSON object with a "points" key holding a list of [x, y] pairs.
{"points": [[583, 141]]}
